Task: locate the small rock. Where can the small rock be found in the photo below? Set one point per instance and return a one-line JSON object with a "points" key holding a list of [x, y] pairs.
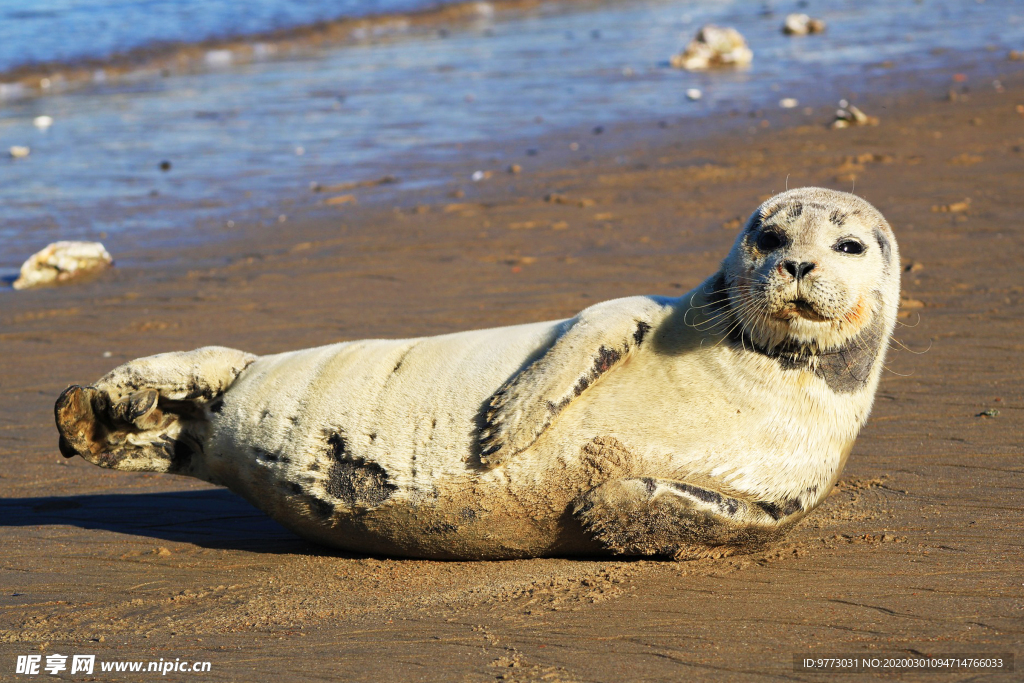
{"points": [[62, 261], [557, 198], [19, 151], [219, 58], [908, 304], [480, 175], [955, 207], [991, 412], [1016, 56], [42, 122], [914, 267], [848, 115], [165, 165], [515, 169], [714, 46], [789, 103], [694, 94], [801, 25], [162, 552], [341, 199]]}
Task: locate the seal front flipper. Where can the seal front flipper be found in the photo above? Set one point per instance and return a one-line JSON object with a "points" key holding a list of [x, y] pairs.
{"points": [[149, 414], [646, 516], [593, 343]]}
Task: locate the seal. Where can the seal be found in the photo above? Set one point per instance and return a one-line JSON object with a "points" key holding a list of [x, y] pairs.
{"points": [[697, 426]]}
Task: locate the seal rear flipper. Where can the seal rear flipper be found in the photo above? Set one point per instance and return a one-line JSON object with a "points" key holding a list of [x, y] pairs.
{"points": [[150, 414], [646, 516], [596, 341]]}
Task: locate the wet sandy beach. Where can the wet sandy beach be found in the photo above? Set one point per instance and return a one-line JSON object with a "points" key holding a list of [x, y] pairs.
{"points": [[918, 550]]}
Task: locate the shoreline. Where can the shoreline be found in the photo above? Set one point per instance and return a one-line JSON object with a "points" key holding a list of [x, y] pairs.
{"points": [[919, 541], [244, 143], [166, 58], [442, 174]]}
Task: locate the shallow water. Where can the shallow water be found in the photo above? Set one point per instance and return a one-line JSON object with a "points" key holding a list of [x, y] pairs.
{"points": [[246, 136], [67, 30]]}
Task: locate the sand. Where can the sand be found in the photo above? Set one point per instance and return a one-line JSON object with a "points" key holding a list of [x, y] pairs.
{"points": [[918, 550]]}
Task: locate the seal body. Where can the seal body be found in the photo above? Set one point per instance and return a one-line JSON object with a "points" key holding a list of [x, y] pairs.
{"points": [[701, 425]]}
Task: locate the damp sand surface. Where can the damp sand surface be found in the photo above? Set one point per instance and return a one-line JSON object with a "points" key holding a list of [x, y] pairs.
{"points": [[918, 549]]}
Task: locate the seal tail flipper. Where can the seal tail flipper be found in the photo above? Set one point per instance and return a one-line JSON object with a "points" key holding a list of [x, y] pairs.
{"points": [[149, 414], [647, 516]]}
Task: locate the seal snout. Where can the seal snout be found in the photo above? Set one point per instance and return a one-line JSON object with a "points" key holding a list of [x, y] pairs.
{"points": [[798, 270]]}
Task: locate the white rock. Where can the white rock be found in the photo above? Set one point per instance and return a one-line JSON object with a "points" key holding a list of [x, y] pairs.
{"points": [[216, 58], [42, 122], [62, 261], [788, 103], [19, 152], [694, 94], [714, 46], [848, 115], [801, 25]]}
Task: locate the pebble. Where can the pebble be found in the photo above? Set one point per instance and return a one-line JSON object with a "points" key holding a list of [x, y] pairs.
{"points": [[19, 151], [62, 261], [991, 412], [42, 122], [219, 58], [714, 46], [955, 207], [694, 94], [848, 115], [515, 169], [911, 304], [801, 25], [341, 199], [788, 103], [165, 165]]}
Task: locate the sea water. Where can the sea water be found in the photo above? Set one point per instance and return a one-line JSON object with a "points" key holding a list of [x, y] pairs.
{"points": [[237, 137]]}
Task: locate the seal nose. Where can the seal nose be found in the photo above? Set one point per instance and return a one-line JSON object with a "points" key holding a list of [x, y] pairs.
{"points": [[798, 270]]}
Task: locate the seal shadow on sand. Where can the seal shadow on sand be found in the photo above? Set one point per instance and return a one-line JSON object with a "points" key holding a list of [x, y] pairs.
{"points": [[216, 519]]}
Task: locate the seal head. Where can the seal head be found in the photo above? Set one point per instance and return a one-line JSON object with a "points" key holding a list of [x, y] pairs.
{"points": [[813, 275]]}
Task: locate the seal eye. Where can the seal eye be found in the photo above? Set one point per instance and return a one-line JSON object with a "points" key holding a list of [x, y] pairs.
{"points": [[768, 241], [850, 247]]}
